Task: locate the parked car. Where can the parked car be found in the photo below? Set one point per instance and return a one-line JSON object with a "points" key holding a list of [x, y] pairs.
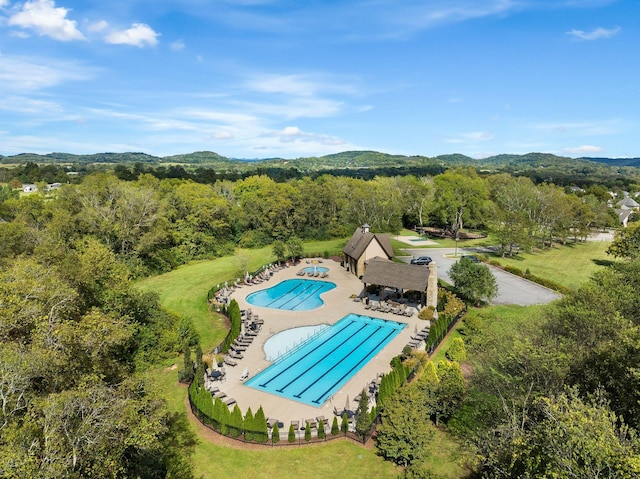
{"points": [[422, 260], [471, 257]]}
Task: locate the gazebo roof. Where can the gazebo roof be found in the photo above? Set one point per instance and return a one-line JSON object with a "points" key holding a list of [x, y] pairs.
{"points": [[408, 277]]}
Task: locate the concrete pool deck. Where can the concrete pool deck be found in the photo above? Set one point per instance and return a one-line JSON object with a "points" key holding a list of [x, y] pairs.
{"points": [[338, 303]]}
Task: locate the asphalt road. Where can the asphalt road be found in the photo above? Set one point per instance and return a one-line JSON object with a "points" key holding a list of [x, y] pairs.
{"points": [[511, 288]]}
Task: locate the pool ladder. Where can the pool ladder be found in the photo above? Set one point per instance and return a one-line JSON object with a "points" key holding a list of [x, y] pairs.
{"points": [[302, 343]]}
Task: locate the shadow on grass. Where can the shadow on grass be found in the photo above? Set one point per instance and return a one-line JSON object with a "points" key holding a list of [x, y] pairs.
{"points": [[603, 262]]}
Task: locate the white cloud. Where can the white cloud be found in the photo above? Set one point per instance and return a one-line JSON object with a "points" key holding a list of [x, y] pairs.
{"points": [[594, 34], [177, 45], [46, 19], [586, 128], [299, 85], [479, 135], [467, 138], [291, 134], [583, 150], [221, 135], [97, 26], [4, 3], [22, 74], [138, 35], [25, 105]]}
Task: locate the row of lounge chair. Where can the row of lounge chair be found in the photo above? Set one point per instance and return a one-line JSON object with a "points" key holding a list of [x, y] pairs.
{"points": [[313, 274], [239, 345], [400, 309], [216, 393], [418, 338]]}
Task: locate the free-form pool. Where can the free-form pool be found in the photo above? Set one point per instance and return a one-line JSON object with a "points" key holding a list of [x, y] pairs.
{"points": [[284, 341], [292, 294], [315, 269], [315, 370]]}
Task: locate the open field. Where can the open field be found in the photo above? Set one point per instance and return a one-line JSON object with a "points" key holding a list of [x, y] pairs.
{"points": [[183, 291], [569, 265]]}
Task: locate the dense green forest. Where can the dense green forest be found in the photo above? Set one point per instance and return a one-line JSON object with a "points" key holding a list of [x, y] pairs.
{"points": [[208, 167], [557, 397]]}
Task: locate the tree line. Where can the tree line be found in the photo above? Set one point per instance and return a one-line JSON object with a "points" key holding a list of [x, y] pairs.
{"points": [[154, 225]]}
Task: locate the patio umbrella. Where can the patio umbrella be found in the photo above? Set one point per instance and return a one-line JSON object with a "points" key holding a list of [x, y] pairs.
{"points": [[347, 405]]}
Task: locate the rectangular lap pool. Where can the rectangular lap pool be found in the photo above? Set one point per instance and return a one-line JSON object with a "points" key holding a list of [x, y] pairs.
{"points": [[319, 367]]}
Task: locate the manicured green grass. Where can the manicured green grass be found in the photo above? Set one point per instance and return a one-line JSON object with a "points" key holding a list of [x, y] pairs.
{"points": [[183, 291], [342, 458], [332, 247], [569, 265], [507, 318]]}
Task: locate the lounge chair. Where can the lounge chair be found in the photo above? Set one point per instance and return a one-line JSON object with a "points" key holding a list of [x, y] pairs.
{"points": [[238, 347], [235, 355], [220, 394], [229, 401], [230, 362], [325, 275]]}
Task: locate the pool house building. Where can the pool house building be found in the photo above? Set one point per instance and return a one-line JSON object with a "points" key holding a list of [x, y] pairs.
{"points": [[364, 246]]}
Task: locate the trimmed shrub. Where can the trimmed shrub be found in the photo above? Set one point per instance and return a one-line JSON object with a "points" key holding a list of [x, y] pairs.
{"points": [[321, 432], [335, 429], [457, 351], [275, 434], [344, 426], [292, 434], [261, 433], [307, 432]]}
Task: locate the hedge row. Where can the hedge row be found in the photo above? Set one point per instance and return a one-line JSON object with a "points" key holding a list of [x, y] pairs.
{"points": [[536, 279]]}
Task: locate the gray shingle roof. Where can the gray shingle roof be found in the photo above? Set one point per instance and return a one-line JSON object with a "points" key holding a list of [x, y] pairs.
{"points": [[409, 277], [360, 240]]}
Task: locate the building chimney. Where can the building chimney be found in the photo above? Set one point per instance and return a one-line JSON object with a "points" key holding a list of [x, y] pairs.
{"points": [[365, 228]]}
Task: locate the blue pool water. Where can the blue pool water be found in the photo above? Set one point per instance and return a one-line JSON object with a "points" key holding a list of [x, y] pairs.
{"points": [[319, 367], [313, 269], [292, 294]]}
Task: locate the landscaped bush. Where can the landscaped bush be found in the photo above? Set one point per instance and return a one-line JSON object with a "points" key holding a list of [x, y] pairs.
{"points": [[292, 434], [531, 277], [391, 381], [426, 314], [275, 434], [233, 313], [335, 429], [457, 351], [248, 425], [307, 432], [450, 308]]}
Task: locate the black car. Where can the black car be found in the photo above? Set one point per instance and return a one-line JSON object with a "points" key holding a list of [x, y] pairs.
{"points": [[471, 257], [422, 260]]}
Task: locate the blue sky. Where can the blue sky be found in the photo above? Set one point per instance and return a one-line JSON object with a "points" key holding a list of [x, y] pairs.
{"points": [[270, 78]]}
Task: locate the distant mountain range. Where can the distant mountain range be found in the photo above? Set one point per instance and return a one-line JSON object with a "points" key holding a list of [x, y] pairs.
{"points": [[337, 161]]}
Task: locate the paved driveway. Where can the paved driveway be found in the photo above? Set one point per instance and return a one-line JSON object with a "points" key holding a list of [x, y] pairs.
{"points": [[511, 288]]}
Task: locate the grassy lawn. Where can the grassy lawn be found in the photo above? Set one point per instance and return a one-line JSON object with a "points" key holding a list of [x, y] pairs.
{"points": [[569, 265], [344, 458], [183, 291], [334, 459]]}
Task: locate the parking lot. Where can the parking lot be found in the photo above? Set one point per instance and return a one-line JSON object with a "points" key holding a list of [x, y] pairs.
{"points": [[511, 288]]}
